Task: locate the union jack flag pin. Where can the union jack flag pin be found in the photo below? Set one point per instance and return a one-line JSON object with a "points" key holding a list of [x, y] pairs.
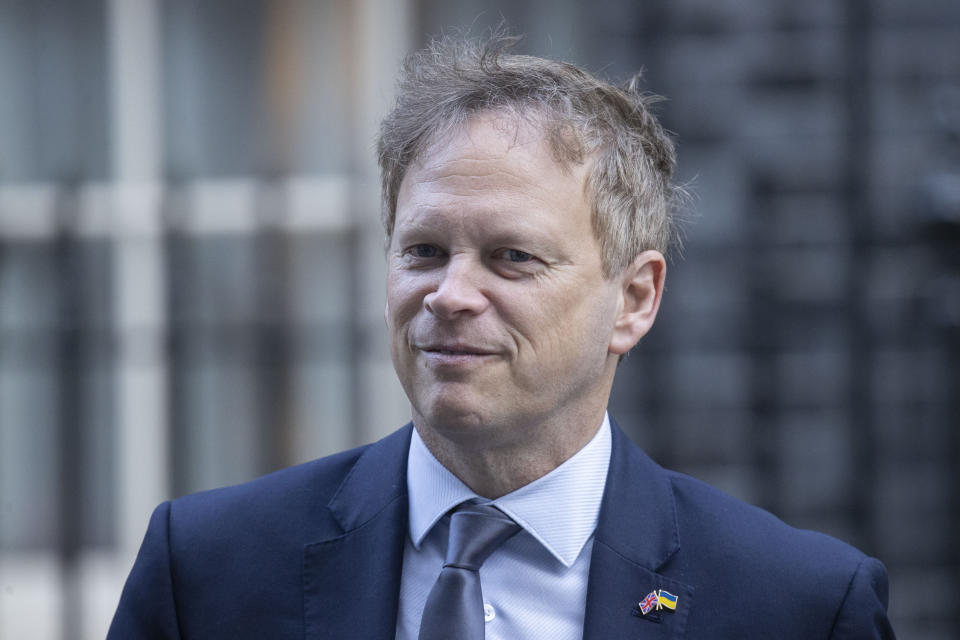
{"points": [[647, 604]]}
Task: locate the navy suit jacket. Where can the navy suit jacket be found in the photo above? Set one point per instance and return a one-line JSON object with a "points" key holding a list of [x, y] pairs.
{"points": [[315, 551]]}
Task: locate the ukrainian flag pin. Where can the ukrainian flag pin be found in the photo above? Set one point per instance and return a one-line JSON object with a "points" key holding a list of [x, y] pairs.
{"points": [[666, 599]]}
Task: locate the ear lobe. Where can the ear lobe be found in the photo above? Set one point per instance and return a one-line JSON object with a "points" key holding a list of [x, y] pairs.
{"points": [[641, 288]]}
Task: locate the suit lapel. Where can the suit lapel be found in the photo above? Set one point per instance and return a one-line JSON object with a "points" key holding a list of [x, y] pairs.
{"points": [[636, 535], [351, 581]]}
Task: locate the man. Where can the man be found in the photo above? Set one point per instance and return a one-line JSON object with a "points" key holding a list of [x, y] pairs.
{"points": [[527, 210]]}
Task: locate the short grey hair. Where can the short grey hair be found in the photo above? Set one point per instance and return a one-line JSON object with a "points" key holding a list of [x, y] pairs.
{"points": [[583, 118]]}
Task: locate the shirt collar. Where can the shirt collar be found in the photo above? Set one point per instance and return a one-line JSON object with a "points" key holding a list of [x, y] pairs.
{"points": [[559, 510]]}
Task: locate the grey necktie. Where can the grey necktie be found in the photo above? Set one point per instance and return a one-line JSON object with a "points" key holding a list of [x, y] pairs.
{"points": [[454, 609]]}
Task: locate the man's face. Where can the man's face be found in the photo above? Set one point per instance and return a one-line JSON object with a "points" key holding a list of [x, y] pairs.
{"points": [[499, 313]]}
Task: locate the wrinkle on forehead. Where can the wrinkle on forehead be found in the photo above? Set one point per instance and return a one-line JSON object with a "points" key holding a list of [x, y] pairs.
{"points": [[466, 174]]}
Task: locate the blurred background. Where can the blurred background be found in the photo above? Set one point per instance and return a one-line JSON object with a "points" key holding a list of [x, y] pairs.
{"points": [[191, 271]]}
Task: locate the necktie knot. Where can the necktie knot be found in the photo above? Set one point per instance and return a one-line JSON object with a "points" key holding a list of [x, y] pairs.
{"points": [[476, 531]]}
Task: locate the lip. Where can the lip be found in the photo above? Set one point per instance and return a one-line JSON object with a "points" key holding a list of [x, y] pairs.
{"points": [[455, 348], [454, 354]]}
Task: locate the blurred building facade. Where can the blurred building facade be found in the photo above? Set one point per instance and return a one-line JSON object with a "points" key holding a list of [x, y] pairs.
{"points": [[191, 264]]}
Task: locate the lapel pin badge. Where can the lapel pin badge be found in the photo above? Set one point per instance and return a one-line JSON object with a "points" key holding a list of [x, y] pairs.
{"points": [[656, 600]]}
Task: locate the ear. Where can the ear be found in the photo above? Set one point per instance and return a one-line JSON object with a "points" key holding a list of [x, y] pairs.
{"points": [[641, 286]]}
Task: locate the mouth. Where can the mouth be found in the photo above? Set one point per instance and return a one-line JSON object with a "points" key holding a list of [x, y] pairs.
{"points": [[455, 350], [455, 355]]}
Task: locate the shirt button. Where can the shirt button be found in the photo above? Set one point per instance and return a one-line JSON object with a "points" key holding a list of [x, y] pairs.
{"points": [[489, 613]]}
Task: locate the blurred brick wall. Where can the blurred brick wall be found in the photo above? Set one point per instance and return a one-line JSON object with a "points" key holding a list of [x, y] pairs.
{"points": [[806, 358]]}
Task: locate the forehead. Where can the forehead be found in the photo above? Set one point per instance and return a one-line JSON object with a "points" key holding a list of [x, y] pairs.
{"points": [[492, 154], [493, 132]]}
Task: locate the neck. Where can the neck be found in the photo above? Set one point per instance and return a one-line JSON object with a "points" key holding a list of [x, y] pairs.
{"points": [[494, 471]]}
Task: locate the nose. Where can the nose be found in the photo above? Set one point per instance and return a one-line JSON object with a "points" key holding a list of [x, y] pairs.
{"points": [[458, 292]]}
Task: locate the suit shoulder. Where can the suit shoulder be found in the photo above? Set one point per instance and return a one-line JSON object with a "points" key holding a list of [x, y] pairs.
{"points": [[292, 496], [286, 503], [754, 536], [788, 582]]}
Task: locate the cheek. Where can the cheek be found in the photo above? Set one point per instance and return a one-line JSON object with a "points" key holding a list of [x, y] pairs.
{"points": [[578, 327], [546, 326], [400, 309], [404, 298]]}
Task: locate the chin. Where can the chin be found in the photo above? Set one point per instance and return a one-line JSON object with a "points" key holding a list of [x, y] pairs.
{"points": [[452, 417], [460, 422]]}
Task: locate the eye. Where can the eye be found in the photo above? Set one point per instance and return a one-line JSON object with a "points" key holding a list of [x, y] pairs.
{"points": [[515, 255], [425, 251]]}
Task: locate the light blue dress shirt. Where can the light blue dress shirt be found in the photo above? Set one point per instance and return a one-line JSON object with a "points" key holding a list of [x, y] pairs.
{"points": [[535, 585]]}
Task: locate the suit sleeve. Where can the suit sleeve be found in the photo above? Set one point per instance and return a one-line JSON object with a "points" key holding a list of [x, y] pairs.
{"points": [[863, 613], [147, 610]]}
